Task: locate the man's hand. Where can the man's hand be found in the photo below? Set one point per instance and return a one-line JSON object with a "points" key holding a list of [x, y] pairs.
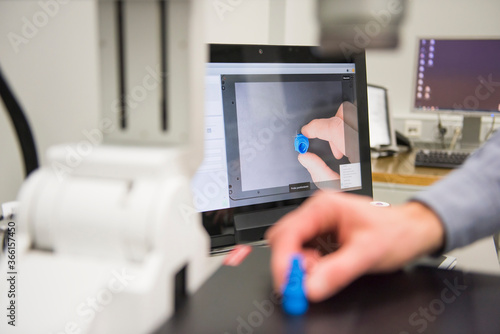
{"points": [[371, 239], [318, 169], [329, 129], [333, 130]]}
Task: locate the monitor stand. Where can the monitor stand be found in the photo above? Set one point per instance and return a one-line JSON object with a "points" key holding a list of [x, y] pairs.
{"points": [[251, 226], [471, 130]]}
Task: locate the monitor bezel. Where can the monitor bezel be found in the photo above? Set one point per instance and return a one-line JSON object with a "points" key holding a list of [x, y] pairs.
{"points": [[244, 53]]}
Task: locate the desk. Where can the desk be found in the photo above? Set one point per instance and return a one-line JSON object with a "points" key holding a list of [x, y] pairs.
{"points": [[417, 300], [396, 179], [400, 169]]}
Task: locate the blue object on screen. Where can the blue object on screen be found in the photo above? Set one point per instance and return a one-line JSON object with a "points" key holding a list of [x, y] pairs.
{"points": [[301, 143], [294, 297]]}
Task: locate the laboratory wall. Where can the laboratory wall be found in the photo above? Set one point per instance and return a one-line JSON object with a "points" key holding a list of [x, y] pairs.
{"points": [[48, 53], [262, 22], [428, 18], [394, 69]]}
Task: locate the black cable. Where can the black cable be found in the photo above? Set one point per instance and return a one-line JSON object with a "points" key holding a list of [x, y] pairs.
{"points": [[491, 129], [122, 75], [164, 63], [21, 126], [442, 130]]}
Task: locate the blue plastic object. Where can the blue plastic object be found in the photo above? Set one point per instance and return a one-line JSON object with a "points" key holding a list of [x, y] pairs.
{"points": [[294, 297], [301, 143]]}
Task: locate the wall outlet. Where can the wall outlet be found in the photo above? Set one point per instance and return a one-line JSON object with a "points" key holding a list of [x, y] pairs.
{"points": [[413, 128]]}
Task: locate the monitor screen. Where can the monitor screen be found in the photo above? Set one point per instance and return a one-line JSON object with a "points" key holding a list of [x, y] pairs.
{"points": [[260, 101], [458, 75]]}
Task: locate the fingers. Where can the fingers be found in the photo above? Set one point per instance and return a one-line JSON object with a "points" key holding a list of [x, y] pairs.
{"points": [[322, 128], [323, 214], [349, 114], [329, 129], [311, 257], [288, 236], [338, 153], [392, 238], [340, 111], [335, 271], [280, 262], [317, 168], [371, 240]]}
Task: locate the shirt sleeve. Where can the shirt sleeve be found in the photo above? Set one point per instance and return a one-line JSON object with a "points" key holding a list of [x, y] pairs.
{"points": [[468, 200]]}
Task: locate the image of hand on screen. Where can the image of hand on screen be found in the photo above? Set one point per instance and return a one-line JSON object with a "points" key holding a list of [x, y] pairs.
{"points": [[365, 239], [339, 131]]}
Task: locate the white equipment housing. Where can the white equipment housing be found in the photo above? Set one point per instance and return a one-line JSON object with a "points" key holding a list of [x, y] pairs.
{"points": [[107, 237]]}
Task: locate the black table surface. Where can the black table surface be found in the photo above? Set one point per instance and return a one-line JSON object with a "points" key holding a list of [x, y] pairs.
{"points": [[415, 300]]}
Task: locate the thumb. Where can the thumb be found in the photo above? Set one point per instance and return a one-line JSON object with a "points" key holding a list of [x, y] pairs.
{"points": [[317, 168]]}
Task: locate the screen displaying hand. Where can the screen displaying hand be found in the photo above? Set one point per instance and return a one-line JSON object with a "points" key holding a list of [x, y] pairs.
{"points": [[335, 131]]}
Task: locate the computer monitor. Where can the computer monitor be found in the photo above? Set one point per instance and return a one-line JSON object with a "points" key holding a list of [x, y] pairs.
{"points": [[459, 76], [382, 134], [258, 98]]}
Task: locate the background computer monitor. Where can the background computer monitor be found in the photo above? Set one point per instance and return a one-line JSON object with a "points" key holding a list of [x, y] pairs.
{"points": [[257, 99], [382, 134], [459, 76]]}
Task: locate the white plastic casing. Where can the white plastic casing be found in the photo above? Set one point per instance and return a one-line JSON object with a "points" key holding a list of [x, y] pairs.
{"points": [[100, 239]]}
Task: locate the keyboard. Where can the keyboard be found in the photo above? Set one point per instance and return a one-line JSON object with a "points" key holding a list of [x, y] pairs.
{"points": [[440, 158]]}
